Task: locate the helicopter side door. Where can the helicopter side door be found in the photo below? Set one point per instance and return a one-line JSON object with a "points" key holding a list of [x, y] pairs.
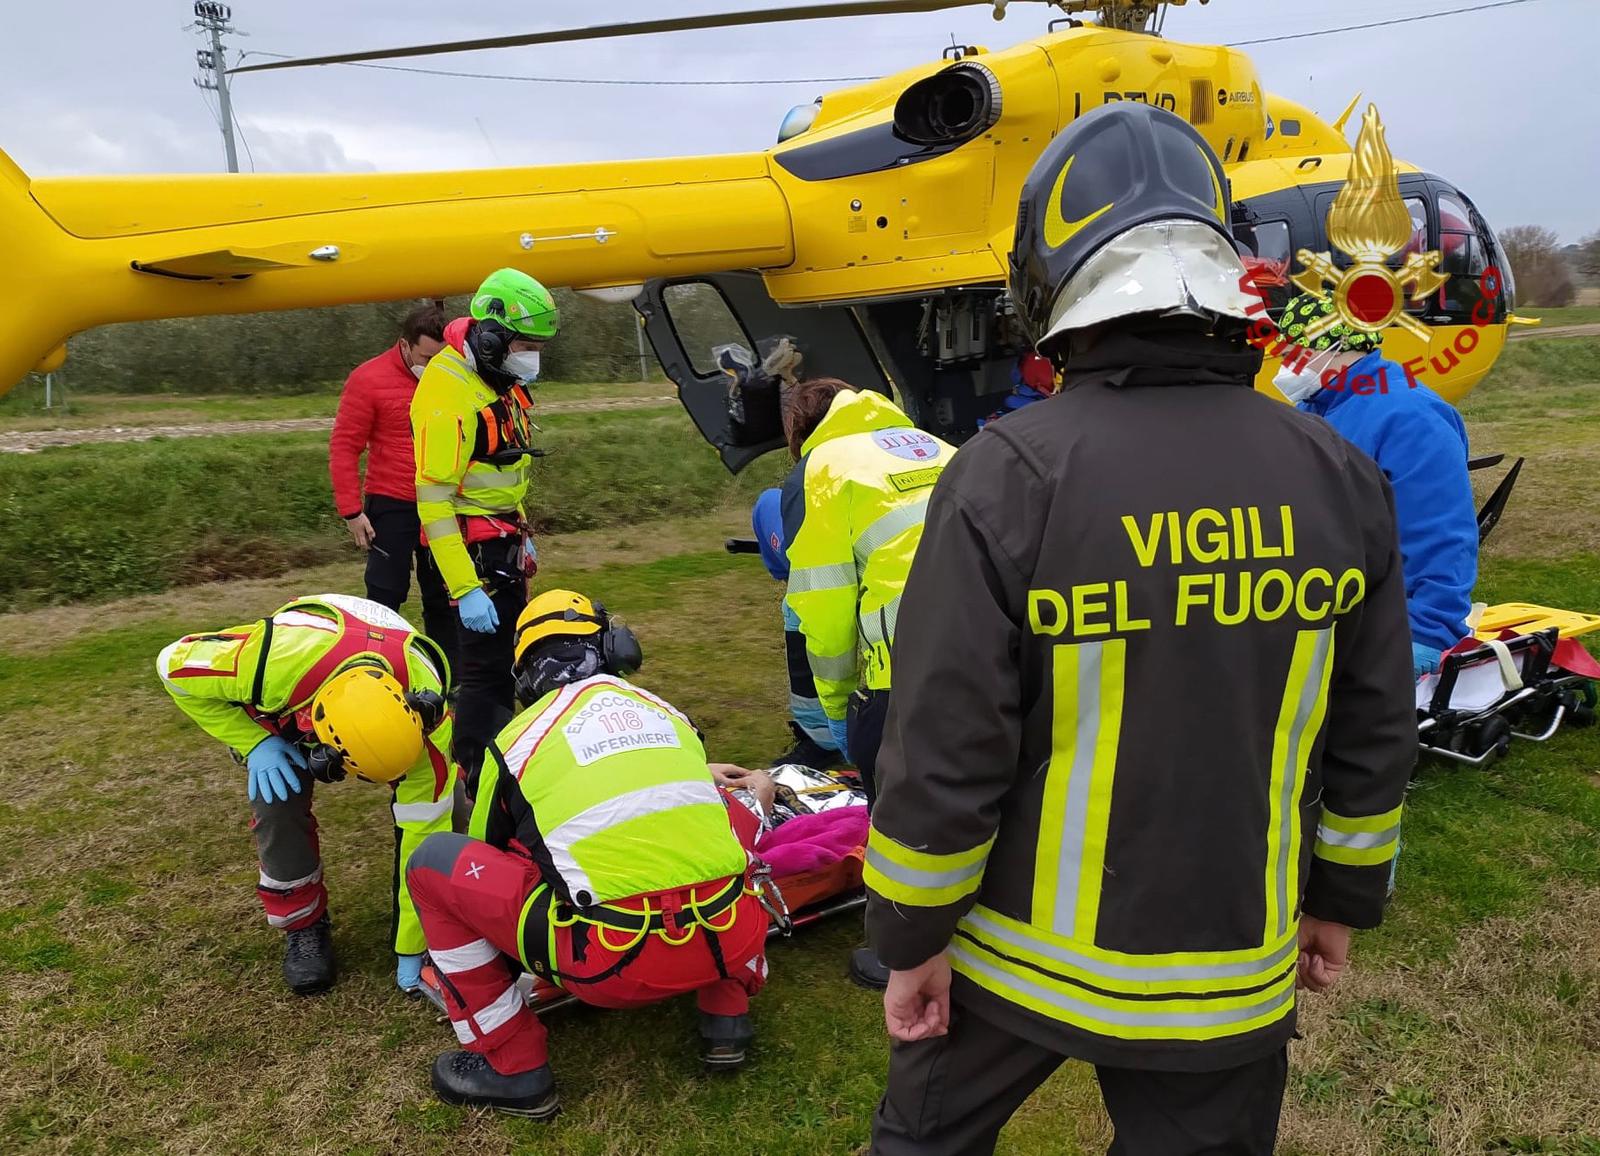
{"points": [[686, 318]]}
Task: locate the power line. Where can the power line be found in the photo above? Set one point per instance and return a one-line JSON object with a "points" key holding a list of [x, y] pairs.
{"points": [[650, 83], [244, 142], [1378, 23]]}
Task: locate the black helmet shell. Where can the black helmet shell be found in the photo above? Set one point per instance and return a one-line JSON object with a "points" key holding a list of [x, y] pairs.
{"points": [[1114, 168]]}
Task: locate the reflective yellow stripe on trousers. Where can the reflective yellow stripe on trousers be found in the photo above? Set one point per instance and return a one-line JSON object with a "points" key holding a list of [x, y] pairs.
{"points": [[1069, 863]]}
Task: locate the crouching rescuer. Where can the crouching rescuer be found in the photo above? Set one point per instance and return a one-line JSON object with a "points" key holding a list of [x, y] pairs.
{"points": [[326, 687], [604, 859]]}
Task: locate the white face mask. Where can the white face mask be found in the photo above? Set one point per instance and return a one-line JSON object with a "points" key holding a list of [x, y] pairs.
{"points": [[523, 366], [1297, 385], [416, 371]]}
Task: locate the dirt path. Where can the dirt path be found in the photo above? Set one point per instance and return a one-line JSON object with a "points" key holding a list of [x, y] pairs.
{"points": [[26, 442], [1590, 330]]}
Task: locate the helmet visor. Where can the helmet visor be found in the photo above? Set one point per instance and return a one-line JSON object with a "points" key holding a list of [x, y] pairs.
{"points": [[1165, 267]]}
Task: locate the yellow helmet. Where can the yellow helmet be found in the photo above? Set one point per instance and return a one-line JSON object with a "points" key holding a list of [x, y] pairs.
{"points": [[362, 713], [557, 614], [594, 643]]}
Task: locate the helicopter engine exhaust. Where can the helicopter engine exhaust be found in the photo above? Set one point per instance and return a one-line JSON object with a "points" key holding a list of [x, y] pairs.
{"points": [[950, 107]]}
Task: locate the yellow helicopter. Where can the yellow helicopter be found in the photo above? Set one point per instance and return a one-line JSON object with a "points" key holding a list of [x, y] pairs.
{"points": [[874, 233]]}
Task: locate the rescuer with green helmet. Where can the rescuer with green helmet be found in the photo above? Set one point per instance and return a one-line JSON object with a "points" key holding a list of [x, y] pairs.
{"points": [[471, 432]]}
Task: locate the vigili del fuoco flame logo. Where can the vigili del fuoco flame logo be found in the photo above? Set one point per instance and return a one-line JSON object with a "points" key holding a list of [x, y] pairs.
{"points": [[1369, 223]]}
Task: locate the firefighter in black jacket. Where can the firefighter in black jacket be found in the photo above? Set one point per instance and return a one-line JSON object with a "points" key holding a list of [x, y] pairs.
{"points": [[1150, 785]]}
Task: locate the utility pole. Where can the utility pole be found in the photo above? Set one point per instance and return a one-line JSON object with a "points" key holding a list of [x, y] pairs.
{"points": [[214, 18]]}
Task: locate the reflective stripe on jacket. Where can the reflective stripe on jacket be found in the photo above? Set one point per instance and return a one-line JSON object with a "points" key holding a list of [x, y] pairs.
{"points": [[218, 679], [451, 481], [852, 515], [610, 793], [1152, 698]]}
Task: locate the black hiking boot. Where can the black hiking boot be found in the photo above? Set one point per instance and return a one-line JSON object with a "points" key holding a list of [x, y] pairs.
{"points": [[867, 969], [308, 958], [808, 753], [724, 1041], [467, 1079]]}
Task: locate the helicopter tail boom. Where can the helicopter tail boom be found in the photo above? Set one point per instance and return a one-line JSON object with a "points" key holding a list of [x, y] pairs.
{"points": [[90, 251]]}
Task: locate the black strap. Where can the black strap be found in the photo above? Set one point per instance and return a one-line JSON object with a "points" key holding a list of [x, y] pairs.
{"points": [[261, 663], [621, 919], [714, 945]]}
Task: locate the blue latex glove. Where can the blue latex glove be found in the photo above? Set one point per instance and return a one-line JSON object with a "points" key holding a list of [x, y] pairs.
{"points": [[530, 556], [272, 764], [478, 612], [1424, 660], [408, 972], [839, 729]]}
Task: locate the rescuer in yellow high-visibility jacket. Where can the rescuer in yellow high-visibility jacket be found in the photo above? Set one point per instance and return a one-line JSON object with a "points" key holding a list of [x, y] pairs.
{"points": [[852, 515], [472, 438], [326, 685]]}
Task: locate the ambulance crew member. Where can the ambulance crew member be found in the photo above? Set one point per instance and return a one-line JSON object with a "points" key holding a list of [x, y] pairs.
{"points": [[605, 861], [327, 686], [1420, 443], [1152, 718], [470, 423], [814, 743], [374, 418], [852, 518]]}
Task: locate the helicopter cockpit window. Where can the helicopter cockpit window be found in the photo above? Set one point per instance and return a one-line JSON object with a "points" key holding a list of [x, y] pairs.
{"points": [[701, 318], [1289, 127], [1460, 249], [1267, 256], [1419, 229]]}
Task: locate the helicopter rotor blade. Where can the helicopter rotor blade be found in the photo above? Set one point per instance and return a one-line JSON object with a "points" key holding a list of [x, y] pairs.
{"points": [[646, 27]]}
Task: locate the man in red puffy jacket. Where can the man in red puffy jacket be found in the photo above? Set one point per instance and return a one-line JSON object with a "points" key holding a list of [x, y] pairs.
{"points": [[375, 417]]}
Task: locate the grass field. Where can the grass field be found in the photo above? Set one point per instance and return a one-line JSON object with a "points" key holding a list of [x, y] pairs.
{"points": [[1569, 315], [144, 1011], [23, 408]]}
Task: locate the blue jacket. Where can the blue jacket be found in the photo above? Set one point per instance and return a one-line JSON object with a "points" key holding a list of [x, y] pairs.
{"points": [[1420, 444], [766, 520]]}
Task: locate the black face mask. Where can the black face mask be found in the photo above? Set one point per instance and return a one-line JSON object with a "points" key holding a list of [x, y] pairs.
{"points": [[572, 661], [490, 342]]}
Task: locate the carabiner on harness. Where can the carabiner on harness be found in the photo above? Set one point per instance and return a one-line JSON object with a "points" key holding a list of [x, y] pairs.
{"points": [[770, 896]]}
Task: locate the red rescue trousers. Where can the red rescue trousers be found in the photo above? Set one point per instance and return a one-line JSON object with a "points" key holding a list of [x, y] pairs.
{"points": [[471, 898]]}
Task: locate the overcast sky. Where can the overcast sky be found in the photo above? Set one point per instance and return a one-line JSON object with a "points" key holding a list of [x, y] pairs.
{"points": [[1500, 102]]}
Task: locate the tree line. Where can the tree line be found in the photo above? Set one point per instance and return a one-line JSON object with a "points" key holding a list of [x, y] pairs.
{"points": [[301, 350], [1547, 273]]}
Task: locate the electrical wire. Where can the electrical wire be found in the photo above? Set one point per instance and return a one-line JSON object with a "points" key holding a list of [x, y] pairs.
{"points": [[1378, 23], [242, 139], [627, 82]]}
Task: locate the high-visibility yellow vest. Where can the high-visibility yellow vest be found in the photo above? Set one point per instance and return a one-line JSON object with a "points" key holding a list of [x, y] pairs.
{"points": [[853, 510], [447, 431], [614, 794]]}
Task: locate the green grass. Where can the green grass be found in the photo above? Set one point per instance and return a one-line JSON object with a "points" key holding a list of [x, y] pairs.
{"points": [[23, 408], [143, 1009], [1569, 315], [99, 521]]}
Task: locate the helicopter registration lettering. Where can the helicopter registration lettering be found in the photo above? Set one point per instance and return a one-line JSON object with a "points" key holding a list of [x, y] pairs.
{"points": [[1164, 100]]}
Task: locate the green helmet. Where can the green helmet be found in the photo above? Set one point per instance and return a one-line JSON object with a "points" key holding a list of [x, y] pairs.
{"points": [[1308, 308], [518, 302]]}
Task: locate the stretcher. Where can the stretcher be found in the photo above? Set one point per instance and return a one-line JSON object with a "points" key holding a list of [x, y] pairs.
{"points": [[1522, 676]]}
